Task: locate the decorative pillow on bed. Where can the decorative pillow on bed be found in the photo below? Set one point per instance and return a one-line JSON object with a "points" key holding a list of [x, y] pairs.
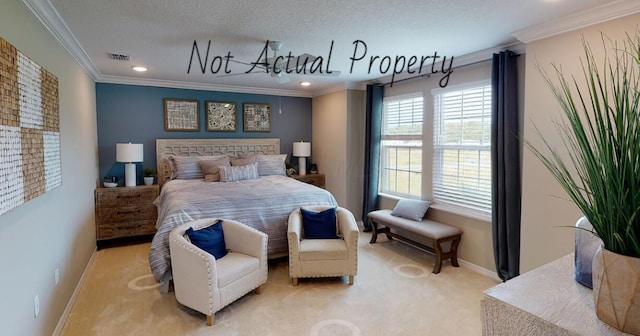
{"points": [[211, 168], [188, 167], [271, 164], [239, 173], [319, 225], [210, 239], [411, 209], [243, 161]]}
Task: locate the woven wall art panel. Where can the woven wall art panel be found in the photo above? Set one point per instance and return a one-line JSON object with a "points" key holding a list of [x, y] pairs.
{"points": [[29, 129]]}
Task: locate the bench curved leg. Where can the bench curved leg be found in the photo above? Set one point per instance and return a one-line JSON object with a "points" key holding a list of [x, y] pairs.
{"points": [[438, 252], [454, 251], [374, 232]]}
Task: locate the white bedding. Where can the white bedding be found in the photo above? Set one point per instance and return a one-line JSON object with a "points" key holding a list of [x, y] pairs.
{"points": [[264, 204]]}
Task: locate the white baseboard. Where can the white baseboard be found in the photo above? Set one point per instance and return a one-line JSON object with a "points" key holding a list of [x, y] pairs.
{"points": [[491, 274], [74, 297]]}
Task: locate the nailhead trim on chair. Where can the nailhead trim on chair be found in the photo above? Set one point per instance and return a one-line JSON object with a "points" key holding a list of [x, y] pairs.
{"points": [[203, 256]]}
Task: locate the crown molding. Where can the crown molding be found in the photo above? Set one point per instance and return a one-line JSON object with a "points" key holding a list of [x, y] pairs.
{"points": [[589, 17], [50, 19], [201, 86]]}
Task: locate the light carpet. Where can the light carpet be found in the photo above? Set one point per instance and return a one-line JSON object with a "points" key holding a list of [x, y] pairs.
{"points": [[394, 293]]}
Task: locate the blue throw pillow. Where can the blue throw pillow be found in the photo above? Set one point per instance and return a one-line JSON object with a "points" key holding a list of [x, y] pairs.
{"points": [[210, 239], [319, 225]]}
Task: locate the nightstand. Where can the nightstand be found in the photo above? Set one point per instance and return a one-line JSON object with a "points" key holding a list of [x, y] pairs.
{"points": [[125, 212], [315, 179]]}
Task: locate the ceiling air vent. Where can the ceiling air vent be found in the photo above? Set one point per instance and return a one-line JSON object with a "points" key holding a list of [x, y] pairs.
{"points": [[119, 57]]}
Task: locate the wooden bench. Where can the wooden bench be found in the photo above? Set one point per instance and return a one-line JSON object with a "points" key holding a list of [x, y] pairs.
{"points": [[382, 222]]}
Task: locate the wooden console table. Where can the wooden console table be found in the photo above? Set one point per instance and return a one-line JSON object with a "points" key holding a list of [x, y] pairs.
{"points": [[544, 301]]}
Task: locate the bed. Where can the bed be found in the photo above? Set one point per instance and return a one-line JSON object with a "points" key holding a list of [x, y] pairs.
{"points": [[263, 203]]}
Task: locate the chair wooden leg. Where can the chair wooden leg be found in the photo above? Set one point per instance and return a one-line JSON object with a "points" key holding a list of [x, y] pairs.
{"points": [[211, 319], [258, 290], [351, 277], [295, 281]]}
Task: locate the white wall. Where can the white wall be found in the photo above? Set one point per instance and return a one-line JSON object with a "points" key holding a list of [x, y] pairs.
{"points": [[329, 141], [545, 206], [57, 228], [337, 145]]}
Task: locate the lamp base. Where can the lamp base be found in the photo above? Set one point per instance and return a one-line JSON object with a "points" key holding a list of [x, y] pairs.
{"points": [[302, 165], [130, 175]]}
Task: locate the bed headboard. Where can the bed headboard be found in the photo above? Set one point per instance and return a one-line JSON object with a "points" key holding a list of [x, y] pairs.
{"points": [[199, 147]]}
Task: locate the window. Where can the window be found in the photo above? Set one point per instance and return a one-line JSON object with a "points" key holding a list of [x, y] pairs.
{"points": [[462, 146], [401, 146]]}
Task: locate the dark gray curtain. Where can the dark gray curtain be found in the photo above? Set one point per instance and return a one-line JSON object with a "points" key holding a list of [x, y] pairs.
{"points": [[375, 93], [505, 165]]}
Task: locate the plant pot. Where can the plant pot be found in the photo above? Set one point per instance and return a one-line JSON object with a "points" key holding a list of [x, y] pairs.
{"points": [[148, 180], [616, 290]]}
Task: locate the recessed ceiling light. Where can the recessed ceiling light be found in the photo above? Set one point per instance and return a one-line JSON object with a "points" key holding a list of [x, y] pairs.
{"points": [[305, 83], [139, 68]]}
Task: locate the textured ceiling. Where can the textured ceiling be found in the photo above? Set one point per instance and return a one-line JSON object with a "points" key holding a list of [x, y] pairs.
{"points": [[160, 34]]}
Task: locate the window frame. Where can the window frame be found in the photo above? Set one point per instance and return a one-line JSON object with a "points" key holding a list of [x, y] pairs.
{"points": [[418, 143], [462, 203]]}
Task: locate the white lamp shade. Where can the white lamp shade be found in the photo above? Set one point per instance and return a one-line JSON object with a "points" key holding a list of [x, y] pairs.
{"points": [[302, 149], [129, 152]]}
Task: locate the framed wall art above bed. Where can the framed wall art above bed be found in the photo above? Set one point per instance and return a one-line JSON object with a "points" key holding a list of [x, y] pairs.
{"points": [[221, 116], [257, 117], [181, 115]]}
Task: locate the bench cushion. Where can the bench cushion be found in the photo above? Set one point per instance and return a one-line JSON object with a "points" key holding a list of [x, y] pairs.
{"points": [[428, 228]]}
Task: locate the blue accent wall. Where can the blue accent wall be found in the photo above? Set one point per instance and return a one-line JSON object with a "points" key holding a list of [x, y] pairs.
{"points": [[132, 113]]}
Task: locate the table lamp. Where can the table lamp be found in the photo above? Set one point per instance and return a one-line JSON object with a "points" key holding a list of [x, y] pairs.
{"points": [[129, 153], [302, 150]]}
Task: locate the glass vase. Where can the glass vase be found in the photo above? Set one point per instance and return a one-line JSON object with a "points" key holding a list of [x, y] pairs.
{"points": [[587, 243]]}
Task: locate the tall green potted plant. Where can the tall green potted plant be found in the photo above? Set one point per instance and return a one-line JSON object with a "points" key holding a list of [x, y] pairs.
{"points": [[600, 130]]}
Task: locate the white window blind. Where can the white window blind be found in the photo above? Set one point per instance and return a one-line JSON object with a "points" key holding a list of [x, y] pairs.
{"points": [[401, 146], [462, 147]]}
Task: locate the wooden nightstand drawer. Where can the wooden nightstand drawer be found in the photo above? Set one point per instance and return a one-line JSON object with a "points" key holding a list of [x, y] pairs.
{"points": [[125, 196], [127, 213], [126, 229]]}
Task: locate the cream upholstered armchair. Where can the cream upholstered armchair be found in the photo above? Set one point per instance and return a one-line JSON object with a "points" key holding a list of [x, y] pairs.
{"points": [[207, 285], [314, 258]]}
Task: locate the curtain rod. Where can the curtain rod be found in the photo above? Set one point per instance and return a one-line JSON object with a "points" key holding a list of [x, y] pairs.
{"points": [[427, 75]]}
